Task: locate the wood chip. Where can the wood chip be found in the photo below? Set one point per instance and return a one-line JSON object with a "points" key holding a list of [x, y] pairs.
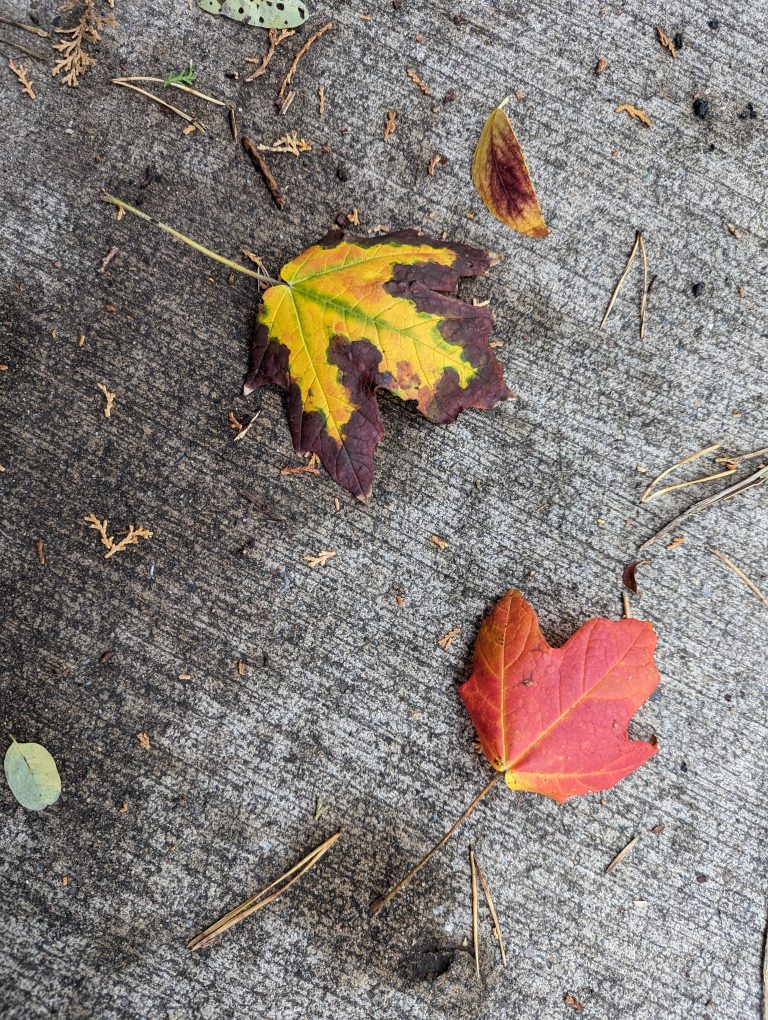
{"points": [[299, 56], [418, 81], [665, 41], [391, 124], [633, 111], [622, 854], [447, 640], [320, 560], [143, 739], [109, 399]]}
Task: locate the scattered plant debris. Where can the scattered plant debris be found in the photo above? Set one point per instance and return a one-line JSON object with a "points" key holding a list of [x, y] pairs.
{"points": [[193, 124], [529, 712], [310, 468], [243, 431], [633, 111], [109, 399], [639, 245], [475, 938], [300, 55], [108, 541], [172, 84], [666, 41], [112, 253], [263, 896], [676, 542], [624, 852], [570, 1000], [75, 59], [391, 125], [32, 29], [492, 911], [321, 99], [651, 492], [32, 775], [40, 550], [418, 81], [320, 560], [501, 176], [144, 741], [740, 573], [441, 543], [601, 66], [186, 76], [24, 81], [447, 640], [435, 162]]}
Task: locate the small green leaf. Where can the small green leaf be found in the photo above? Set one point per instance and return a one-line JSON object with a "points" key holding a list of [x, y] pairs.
{"points": [[184, 77], [32, 775]]}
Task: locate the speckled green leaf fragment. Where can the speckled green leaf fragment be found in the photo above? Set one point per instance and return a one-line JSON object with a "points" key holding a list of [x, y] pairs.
{"points": [[260, 13], [32, 775]]}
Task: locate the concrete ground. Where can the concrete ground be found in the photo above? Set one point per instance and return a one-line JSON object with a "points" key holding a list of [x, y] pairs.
{"points": [[346, 699]]}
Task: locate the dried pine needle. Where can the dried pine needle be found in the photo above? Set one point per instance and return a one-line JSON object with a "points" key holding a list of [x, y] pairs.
{"points": [[622, 278], [680, 463], [492, 910], [684, 485], [625, 605], [174, 85], [196, 124], [739, 573], [742, 457], [644, 300], [261, 898], [475, 940], [621, 855]]}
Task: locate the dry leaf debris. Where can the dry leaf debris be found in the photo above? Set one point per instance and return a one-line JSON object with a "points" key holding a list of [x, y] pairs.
{"points": [[391, 124], [418, 81], [109, 399], [21, 73], [633, 111], [108, 541], [320, 560], [75, 59]]}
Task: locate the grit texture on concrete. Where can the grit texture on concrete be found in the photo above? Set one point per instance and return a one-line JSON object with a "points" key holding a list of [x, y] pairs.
{"points": [[346, 701]]}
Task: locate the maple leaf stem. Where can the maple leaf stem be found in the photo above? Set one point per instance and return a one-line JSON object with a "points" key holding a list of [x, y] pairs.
{"points": [[261, 277], [382, 901]]}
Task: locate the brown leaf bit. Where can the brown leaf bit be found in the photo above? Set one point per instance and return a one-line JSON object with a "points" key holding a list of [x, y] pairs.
{"points": [[300, 54], [234, 422], [321, 99], [108, 541], [447, 640], [441, 543], [320, 560], [676, 542], [570, 1000], [123, 807], [391, 125], [143, 739], [435, 162], [40, 550], [275, 38], [628, 578], [310, 468], [601, 66], [633, 111], [75, 60], [109, 399], [733, 230], [242, 668], [354, 217], [256, 259], [665, 41], [21, 74], [417, 81]]}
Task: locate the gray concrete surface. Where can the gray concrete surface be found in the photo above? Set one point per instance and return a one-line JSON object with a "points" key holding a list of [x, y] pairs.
{"points": [[347, 697]]}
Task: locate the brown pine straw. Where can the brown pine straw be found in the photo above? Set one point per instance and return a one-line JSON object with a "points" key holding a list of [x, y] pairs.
{"points": [[161, 102], [622, 278], [475, 939], [173, 85], [492, 910], [261, 899], [301, 53], [668, 471], [622, 854], [739, 573], [644, 300]]}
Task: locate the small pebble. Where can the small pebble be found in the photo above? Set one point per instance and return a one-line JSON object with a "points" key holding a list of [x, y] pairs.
{"points": [[714, 23], [701, 107], [697, 289], [677, 39], [343, 174], [748, 113]]}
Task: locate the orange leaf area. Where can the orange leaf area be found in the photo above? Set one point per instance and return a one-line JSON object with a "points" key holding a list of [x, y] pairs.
{"points": [[501, 176], [357, 314], [554, 720]]}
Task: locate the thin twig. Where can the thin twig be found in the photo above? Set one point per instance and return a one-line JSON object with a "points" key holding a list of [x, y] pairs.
{"points": [[686, 460], [685, 485], [622, 278], [261, 899], [757, 478], [172, 84], [739, 573], [260, 164], [475, 940], [161, 102], [261, 277], [382, 901], [275, 38], [621, 855], [297, 59], [244, 431], [33, 29], [492, 909], [233, 124], [644, 301], [764, 971]]}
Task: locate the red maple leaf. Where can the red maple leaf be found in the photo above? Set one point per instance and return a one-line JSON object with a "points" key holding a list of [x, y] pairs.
{"points": [[554, 720]]}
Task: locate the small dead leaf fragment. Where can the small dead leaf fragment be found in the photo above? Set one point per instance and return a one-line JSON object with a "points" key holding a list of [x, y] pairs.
{"points": [[21, 74], [447, 640], [242, 668], [109, 399], [733, 230], [436, 160], [143, 739], [123, 807], [40, 550], [310, 468], [628, 578], [501, 176], [565, 733], [391, 124], [633, 111], [320, 560], [441, 543], [570, 1000], [418, 81], [601, 66], [676, 542], [666, 41]]}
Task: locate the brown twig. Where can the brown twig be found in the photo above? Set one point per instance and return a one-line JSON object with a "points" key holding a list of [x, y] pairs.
{"points": [[198, 125], [261, 899], [667, 471], [740, 573], [625, 606], [243, 432], [275, 38], [23, 49], [382, 901], [258, 161], [757, 478], [175, 85], [233, 124], [32, 29], [492, 909], [621, 855], [300, 54], [475, 939], [622, 278]]}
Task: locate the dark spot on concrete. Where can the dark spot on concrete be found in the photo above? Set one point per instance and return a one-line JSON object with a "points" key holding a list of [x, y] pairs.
{"points": [[701, 107], [714, 23], [748, 113], [697, 289], [678, 40], [342, 173], [701, 879], [683, 766], [459, 19], [430, 961], [449, 97]]}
